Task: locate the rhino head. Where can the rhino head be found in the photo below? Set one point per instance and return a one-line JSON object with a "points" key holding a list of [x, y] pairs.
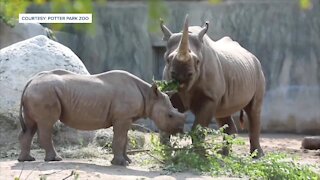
{"points": [[165, 116], [183, 55]]}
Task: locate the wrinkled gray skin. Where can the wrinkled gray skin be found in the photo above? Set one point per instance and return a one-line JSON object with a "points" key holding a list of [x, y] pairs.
{"points": [[217, 79], [90, 102]]}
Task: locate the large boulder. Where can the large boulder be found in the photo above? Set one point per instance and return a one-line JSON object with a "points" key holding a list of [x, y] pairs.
{"points": [[18, 63]]}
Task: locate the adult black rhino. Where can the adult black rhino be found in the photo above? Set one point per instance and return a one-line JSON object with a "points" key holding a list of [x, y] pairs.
{"points": [[217, 79]]}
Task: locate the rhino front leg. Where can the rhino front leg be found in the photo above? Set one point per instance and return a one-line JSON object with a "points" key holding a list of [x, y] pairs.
{"points": [[164, 138], [231, 129], [45, 136], [25, 139], [203, 114], [119, 142]]}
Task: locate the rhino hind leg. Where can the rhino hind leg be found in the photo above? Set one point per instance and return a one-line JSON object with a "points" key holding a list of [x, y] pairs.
{"points": [[231, 129], [253, 110], [45, 136], [25, 139], [119, 143]]}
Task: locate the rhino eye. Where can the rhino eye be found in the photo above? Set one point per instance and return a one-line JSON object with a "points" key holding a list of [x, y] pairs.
{"points": [[173, 75], [197, 60], [169, 58], [189, 74], [170, 115]]}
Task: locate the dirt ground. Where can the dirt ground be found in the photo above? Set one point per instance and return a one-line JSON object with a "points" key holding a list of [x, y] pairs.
{"points": [[100, 168]]}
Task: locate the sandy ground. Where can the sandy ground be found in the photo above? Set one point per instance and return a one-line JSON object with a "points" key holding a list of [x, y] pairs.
{"points": [[102, 169]]}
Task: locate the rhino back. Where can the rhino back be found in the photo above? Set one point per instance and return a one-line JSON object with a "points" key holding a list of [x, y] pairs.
{"points": [[128, 92], [102, 98], [241, 71]]}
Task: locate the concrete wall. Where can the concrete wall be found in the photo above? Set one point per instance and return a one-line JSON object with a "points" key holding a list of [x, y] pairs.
{"points": [[283, 36]]}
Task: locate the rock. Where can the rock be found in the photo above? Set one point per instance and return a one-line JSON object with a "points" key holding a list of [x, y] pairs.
{"points": [[103, 138], [21, 31], [18, 63], [311, 142], [136, 140]]}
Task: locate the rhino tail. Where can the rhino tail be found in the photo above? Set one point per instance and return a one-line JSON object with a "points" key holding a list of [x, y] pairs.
{"points": [[241, 120], [21, 118]]}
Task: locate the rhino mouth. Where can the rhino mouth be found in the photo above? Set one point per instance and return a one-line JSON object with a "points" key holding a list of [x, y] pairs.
{"points": [[177, 131], [182, 86]]}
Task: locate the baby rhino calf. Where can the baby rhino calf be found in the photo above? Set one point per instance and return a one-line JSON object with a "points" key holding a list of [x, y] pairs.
{"points": [[90, 102]]}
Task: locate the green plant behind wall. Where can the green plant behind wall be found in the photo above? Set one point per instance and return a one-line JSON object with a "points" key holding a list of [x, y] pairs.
{"points": [[10, 9]]}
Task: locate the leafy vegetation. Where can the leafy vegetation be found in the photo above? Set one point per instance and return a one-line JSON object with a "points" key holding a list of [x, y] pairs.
{"points": [[305, 4], [203, 156], [10, 9], [167, 85], [157, 9]]}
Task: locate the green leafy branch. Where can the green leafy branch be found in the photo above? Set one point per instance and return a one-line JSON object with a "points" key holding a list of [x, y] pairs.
{"points": [[204, 156], [165, 86]]}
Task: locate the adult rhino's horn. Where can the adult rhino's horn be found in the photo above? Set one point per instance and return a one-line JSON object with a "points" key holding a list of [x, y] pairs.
{"points": [[183, 49], [166, 32]]}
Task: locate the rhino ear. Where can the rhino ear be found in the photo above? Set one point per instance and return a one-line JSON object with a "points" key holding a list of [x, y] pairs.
{"points": [[155, 90], [166, 32], [203, 31]]}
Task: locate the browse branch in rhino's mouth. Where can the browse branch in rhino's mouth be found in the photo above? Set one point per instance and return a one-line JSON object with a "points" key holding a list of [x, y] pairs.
{"points": [[165, 86], [181, 86]]}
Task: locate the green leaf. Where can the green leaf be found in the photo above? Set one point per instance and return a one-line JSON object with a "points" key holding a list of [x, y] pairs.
{"points": [[156, 9], [186, 157], [214, 1], [305, 4], [164, 86]]}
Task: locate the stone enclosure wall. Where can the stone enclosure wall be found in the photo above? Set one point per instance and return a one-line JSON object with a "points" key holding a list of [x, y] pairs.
{"points": [[283, 36]]}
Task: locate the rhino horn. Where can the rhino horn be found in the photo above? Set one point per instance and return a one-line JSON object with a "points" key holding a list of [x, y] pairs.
{"points": [[183, 49], [166, 32]]}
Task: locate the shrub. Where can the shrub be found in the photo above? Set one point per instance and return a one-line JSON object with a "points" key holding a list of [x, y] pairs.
{"points": [[203, 156]]}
